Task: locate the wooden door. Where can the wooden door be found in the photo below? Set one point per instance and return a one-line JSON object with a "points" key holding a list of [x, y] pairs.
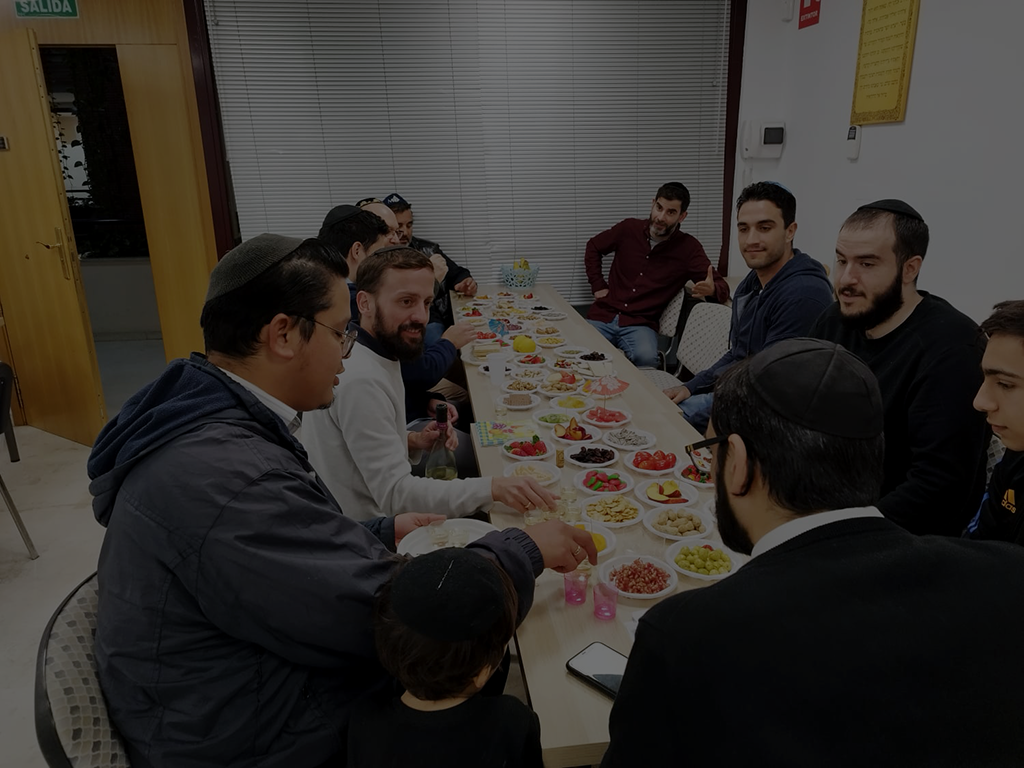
{"points": [[45, 313]]}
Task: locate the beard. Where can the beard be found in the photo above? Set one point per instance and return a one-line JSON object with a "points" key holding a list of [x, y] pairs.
{"points": [[734, 535], [883, 306], [651, 226], [394, 343]]}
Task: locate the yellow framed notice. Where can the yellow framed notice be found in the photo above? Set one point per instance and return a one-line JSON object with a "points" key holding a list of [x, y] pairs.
{"points": [[884, 54]]}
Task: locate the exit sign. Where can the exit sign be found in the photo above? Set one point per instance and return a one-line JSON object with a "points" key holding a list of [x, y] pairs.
{"points": [[37, 9]]}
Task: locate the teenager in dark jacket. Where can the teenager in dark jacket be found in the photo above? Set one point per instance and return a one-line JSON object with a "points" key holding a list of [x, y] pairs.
{"points": [[235, 596], [780, 298]]}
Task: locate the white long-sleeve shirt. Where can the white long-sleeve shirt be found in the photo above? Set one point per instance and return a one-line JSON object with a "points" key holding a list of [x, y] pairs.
{"points": [[359, 448]]}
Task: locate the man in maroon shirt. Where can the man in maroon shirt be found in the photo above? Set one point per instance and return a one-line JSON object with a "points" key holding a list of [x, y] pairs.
{"points": [[653, 260]]}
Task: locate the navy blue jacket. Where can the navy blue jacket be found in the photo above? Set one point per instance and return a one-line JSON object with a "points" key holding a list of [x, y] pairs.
{"points": [[784, 309]]}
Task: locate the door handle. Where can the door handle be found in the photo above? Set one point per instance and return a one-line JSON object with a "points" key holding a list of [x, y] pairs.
{"points": [[61, 251]]}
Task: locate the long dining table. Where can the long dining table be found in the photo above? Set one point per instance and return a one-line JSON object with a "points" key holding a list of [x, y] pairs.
{"points": [[573, 716]]}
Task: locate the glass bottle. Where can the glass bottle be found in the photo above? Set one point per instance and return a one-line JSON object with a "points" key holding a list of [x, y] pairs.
{"points": [[441, 459]]}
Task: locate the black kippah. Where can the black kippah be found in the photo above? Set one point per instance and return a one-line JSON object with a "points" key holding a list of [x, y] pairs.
{"points": [[450, 594], [892, 206], [339, 213], [821, 386]]}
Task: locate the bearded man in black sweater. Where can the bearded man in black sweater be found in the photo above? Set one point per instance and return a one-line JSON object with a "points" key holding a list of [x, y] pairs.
{"points": [[845, 640], [927, 358]]}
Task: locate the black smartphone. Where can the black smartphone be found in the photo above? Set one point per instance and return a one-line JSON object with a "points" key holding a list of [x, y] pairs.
{"points": [[599, 666]]}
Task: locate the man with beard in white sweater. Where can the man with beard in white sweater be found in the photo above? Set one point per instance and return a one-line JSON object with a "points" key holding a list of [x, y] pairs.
{"points": [[359, 446]]}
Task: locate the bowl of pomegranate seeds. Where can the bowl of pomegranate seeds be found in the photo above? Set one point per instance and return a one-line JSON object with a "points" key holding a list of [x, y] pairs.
{"points": [[642, 578]]}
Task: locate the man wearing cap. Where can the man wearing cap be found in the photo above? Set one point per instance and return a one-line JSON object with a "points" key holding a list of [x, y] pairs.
{"points": [[453, 277], [927, 357], [654, 259], [844, 640], [235, 595], [780, 298]]}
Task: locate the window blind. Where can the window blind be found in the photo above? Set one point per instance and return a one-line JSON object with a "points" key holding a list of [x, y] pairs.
{"points": [[515, 128]]}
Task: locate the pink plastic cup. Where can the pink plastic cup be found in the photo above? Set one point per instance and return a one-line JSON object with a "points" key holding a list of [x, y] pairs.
{"points": [[576, 587], [606, 597]]}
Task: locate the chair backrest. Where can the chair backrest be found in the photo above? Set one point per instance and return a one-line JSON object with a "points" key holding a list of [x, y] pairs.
{"points": [[668, 323], [996, 449], [72, 723], [705, 336]]}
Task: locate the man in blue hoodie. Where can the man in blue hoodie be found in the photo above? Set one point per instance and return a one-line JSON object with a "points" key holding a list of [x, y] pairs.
{"points": [[780, 298], [235, 596]]}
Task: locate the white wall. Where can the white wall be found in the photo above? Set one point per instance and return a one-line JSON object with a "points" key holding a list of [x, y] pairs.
{"points": [[957, 157]]}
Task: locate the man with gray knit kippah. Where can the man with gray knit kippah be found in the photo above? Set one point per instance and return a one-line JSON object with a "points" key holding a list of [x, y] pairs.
{"points": [[235, 594], [836, 638]]}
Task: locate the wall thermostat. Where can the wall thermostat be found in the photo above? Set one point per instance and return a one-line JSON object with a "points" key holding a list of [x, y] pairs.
{"points": [[853, 142], [763, 139]]}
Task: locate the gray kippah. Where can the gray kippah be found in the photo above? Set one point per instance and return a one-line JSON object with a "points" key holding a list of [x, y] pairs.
{"points": [[449, 594], [821, 386], [248, 260]]}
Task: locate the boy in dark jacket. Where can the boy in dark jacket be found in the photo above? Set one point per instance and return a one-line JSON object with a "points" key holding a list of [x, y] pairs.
{"points": [[780, 298], [1001, 397], [441, 626]]}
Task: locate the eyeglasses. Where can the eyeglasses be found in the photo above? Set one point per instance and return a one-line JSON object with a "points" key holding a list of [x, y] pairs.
{"points": [[694, 451], [346, 338]]}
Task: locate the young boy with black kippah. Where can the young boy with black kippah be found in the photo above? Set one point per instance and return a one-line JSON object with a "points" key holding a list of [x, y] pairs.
{"points": [[441, 626]]}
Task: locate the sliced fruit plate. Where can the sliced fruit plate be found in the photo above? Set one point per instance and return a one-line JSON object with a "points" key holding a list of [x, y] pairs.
{"points": [[591, 456], [600, 416], [573, 403], [549, 417], [530, 359], [597, 481], [666, 493], [651, 463], [572, 433], [533, 449]]}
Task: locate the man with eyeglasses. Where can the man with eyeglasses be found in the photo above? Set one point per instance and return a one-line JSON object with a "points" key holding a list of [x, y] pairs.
{"points": [[845, 640], [234, 624]]}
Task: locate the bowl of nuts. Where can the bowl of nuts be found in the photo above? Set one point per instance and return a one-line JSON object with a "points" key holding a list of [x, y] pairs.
{"points": [[678, 524]]}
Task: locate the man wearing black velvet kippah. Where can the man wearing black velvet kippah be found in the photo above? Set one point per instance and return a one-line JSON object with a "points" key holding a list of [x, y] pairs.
{"points": [[927, 357], [844, 640]]}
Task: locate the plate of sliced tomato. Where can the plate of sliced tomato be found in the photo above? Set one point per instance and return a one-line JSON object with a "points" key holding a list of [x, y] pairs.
{"points": [[652, 462]]}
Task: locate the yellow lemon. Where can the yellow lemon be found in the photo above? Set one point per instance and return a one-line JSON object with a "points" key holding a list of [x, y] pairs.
{"points": [[524, 344], [599, 540]]}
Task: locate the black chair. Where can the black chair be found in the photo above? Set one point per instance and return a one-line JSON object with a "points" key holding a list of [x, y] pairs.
{"points": [[72, 724], [7, 428]]}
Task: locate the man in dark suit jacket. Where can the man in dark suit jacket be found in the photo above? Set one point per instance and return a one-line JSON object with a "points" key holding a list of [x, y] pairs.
{"points": [[845, 640]]}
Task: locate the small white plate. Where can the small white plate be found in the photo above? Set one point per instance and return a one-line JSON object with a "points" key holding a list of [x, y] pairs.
{"points": [[609, 537], [551, 343], [649, 438], [608, 424], [673, 550], [626, 479], [535, 457], [549, 393], [586, 465], [553, 315], [679, 473], [516, 470], [652, 516], [552, 412], [418, 542], [533, 374], [595, 436], [534, 402], [531, 387], [571, 351], [625, 524], [628, 461], [605, 572], [689, 495], [518, 360], [556, 402]]}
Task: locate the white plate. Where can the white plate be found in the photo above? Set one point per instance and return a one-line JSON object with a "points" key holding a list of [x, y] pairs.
{"points": [[652, 515], [486, 369], [540, 325], [532, 373], [609, 537], [606, 569], [537, 457], [587, 404], [550, 411], [609, 439], [608, 424], [570, 450], [522, 382], [553, 315], [689, 499], [628, 461], [578, 482], [572, 351], [418, 542], [639, 515], [534, 402], [550, 343], [595, 436], [555, 472], [673, 550], [679, 473], [548, 393], [518, 360]]}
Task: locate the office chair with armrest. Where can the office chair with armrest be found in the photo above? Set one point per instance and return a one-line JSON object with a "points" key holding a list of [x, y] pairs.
{"points": [[7, 428]]}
